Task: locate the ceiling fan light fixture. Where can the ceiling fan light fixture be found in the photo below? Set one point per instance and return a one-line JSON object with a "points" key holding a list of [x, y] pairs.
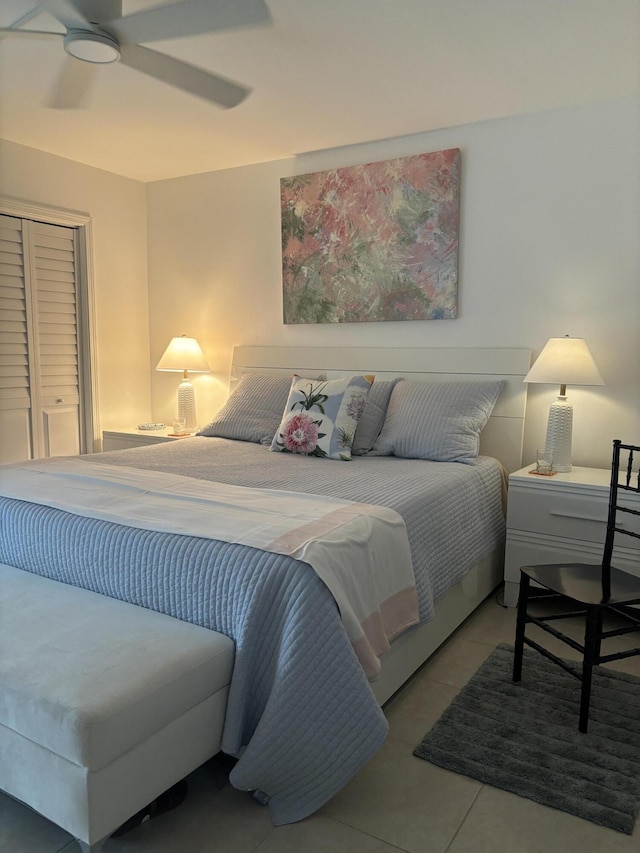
{"points": [[98, 48]]}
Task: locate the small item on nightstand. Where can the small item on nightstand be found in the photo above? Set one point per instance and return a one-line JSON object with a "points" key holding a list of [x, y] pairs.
{"points": [[152, 426], [544, 463], [179, 427]]}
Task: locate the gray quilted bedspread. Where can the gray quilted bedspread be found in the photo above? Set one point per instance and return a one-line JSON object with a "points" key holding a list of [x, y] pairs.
{"points": [[453, 512], [301, 716]]}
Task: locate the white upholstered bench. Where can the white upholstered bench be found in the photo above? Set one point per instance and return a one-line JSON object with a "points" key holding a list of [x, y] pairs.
{"points": [[103, 705]]}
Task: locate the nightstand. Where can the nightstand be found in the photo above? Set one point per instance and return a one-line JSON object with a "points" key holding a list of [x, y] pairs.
{"points": [[559, 518], [124, 438]]}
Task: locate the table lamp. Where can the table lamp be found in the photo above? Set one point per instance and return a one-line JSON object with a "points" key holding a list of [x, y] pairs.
{"points": [[184, 354], [563, 361]]}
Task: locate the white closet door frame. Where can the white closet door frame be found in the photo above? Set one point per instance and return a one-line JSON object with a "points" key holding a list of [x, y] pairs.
{"points": [[85, 292]]}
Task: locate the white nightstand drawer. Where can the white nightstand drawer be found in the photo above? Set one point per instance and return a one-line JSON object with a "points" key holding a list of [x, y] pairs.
{"points": [[559, 514], [528, 549]]}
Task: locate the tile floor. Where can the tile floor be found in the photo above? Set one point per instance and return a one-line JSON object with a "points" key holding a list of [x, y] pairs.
{"points": [[396, 803]]}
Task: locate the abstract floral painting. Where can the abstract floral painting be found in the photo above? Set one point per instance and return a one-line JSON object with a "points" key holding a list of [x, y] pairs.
{"points": [[373, 242]]}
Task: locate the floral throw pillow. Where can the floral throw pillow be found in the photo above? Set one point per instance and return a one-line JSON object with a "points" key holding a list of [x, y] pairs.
{"points": [[321, 417]]}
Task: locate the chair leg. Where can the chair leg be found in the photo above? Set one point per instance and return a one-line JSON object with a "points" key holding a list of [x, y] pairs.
{"points": [[598, 642], [592, 638], [521, 622]]}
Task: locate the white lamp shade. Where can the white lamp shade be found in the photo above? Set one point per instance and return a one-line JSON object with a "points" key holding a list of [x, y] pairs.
{"points": [[182, 354], [565, 361]]}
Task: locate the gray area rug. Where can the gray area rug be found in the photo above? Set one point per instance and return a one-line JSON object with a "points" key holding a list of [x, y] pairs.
{"points": [[524, 738]]}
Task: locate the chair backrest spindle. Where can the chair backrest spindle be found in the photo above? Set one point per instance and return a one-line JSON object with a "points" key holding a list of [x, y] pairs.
{"points": [[611, 522], [615, 507]]}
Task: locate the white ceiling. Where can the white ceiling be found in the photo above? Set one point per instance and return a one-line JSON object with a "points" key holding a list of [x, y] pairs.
{"points": [[326, 73]]}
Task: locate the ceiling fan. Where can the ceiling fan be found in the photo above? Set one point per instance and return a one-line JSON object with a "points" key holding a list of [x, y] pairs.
{"points": [[96, 33]]}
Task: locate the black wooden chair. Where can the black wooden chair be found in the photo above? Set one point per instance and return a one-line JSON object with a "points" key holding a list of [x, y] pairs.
{"points": [[596, 589]]}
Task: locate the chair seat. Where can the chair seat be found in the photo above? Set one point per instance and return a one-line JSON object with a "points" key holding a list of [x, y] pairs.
{"points": [[582, 582]]}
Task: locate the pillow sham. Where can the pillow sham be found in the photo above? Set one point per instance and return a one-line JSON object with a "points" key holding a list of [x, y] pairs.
{"points": [[440, 421], [320, 417], [372, 420], [254, 409]]}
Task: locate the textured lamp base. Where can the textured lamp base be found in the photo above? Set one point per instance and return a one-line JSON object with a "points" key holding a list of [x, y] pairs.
{"points": [[559, 429], [187, 404]]}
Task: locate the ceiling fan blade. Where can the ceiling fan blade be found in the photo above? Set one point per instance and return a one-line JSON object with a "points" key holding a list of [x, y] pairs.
{"points": [[8, 31], [183, 76], [69, 13], [189, 18], [72, 88], [32, 13]]}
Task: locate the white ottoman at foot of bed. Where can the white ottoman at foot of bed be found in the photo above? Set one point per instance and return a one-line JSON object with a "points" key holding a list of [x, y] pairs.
{"points": [[103, 705]]}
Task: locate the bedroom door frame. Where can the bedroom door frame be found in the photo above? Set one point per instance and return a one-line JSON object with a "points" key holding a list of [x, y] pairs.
{"points": [[85, 294]]}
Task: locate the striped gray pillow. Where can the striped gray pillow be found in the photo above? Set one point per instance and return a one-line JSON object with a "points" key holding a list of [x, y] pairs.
{"points": [[440, 421], [254, 410], [372, 419]]}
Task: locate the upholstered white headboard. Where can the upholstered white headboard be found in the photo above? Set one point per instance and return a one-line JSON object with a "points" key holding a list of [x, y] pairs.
{"points": [[503, 435]]}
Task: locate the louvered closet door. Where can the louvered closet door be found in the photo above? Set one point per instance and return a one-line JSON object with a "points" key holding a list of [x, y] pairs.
{"points": [[40, 405], [56, 337], [15, 397]]}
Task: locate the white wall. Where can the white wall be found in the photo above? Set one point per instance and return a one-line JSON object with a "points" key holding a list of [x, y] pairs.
{"points": [[549, 245], [550, 218], [117, 207]]}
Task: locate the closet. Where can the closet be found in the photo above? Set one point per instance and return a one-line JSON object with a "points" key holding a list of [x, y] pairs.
{"points": [[42, 405]]}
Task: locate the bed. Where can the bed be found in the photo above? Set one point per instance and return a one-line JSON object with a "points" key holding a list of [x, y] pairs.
{"points": [[304, 711]]}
